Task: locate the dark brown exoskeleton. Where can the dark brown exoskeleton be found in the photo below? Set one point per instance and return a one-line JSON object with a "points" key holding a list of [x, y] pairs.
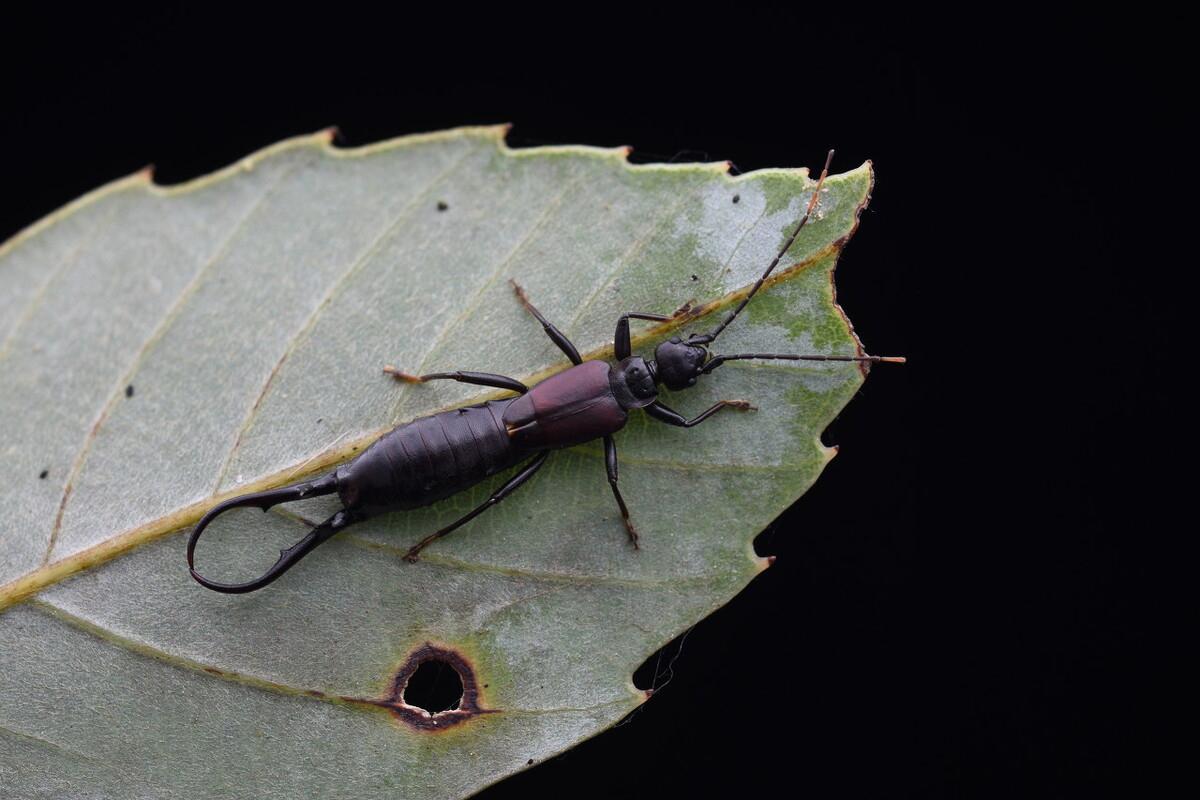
{"points": [[431, 458]]}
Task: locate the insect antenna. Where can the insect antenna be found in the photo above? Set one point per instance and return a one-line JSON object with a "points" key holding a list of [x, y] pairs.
{"points": [[708, 337], [717, 361]]}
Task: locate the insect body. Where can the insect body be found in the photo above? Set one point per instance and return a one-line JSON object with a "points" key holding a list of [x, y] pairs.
{"points": [[431, 458]]}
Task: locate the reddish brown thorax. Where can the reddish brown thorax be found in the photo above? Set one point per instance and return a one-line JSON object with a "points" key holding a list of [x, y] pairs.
{"points": [[575, 406]]}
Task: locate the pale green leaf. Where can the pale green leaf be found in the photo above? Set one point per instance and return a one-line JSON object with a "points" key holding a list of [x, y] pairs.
{"points": [[252, 311]]}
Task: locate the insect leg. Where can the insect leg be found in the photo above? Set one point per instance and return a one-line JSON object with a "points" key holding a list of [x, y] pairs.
{"points": [[477, 378], [610, 466], [663, 414], [504, 491], [556, 336], [621, 346]]}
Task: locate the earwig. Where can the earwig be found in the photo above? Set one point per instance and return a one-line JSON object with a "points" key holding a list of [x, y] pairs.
{"points": [[431, 458]]}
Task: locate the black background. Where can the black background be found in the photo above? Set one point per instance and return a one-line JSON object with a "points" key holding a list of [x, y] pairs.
{"points": [[961, 605]]}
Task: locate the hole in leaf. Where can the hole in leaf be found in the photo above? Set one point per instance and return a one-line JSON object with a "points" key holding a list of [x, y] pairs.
{"points": [[656, 671], [435, 687]]}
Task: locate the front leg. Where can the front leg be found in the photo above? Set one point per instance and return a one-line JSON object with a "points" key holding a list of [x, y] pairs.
{"points": [[621, 346], [664, 414]]}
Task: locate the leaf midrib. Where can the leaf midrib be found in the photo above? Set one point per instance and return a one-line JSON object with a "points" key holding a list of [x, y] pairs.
{"points": [[22, 588]]}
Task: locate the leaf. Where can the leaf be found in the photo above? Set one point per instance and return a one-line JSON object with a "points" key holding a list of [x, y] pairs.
{"points": [[164, 347]]}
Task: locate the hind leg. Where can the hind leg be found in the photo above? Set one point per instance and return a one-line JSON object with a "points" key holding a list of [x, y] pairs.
{"points": [[504, 491]]}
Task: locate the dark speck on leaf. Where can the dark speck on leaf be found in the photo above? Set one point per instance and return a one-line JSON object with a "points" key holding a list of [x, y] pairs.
{"points": [[695, 278], [44, 474], [530, 761], [442, 205], [737, 197], [129, 390]]}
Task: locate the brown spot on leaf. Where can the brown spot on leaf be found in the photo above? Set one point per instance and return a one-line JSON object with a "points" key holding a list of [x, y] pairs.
{"points": [[686, 308], [422, 719]]}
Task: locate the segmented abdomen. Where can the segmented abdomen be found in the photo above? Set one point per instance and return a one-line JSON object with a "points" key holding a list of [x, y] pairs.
{"points": [[428, 459]]}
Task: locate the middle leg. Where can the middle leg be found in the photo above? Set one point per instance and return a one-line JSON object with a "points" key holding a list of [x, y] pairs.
{"points": [[610, 466]]}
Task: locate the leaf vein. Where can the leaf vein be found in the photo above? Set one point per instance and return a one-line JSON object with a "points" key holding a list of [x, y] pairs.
{"points": [[637, 245], [39, 297], [26, 737], [334, 289], [126, 378], [490, 279], [193, 665], [547, 577], [149, 651]]}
